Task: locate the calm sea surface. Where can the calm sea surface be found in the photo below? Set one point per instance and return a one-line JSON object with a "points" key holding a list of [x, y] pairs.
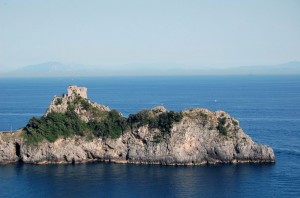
{"points": [[268, 109]]}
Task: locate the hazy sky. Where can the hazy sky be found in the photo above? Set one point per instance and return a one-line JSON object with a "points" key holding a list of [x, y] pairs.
{"points": [[202, 33]]}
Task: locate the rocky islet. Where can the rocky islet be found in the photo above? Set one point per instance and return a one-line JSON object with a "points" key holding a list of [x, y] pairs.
{"points": [[200, 137]]}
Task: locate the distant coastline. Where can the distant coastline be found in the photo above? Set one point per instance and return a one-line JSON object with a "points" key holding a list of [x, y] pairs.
{"points": [[57, 69]]}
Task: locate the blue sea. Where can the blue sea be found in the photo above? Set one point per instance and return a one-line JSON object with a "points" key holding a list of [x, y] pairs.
{"points": [[268, 108]]}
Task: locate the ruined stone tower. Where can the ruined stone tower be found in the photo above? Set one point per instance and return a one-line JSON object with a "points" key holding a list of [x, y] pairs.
{"points": [[78, 91]]}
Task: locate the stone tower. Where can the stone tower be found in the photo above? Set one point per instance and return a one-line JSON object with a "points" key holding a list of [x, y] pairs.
{"points": [[78, 91]]}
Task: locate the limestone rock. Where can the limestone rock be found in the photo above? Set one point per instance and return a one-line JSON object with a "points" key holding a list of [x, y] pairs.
{"points": [[159, 109], [9, 148], [61, 104], [195, 140]]}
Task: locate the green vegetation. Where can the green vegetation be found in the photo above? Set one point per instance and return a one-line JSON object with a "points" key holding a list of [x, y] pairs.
{"points": [[142, 118], [164, 121], [56, 125], [105, 124], [113, 125], [200, 116], [84, 103], [204, 118], [157, 138], [58, 101], [53, 126], [221, 126]]}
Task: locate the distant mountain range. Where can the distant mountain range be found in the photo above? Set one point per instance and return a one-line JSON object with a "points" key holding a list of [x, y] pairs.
{"points": [[57, 69], [291, 68]]}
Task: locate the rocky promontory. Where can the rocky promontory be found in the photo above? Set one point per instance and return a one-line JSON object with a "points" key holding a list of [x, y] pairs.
{"points": [[76, 130]]}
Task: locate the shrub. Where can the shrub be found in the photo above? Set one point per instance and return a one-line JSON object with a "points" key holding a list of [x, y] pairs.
{"points": [[164, 121], [85, 104], [142, 118], [105, 124], [167, 119], [98, 114], [222, 120], [157, 138], [54, 125], [221, 128], [113, 125], [58, 101]]}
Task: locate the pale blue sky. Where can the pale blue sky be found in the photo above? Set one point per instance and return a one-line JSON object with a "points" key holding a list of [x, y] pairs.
{"points": [[199, 33]]}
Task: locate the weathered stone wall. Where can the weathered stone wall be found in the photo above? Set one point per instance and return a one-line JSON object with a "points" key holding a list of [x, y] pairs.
{"points": [[80, 91]]}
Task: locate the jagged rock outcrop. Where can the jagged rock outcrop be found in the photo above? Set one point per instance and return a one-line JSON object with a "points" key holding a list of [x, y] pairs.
{"points": [[61, 105], [195, 140]]}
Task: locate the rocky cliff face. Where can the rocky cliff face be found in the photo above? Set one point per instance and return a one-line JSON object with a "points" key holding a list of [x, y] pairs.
{"points": [[195, 140], [10, 147]]}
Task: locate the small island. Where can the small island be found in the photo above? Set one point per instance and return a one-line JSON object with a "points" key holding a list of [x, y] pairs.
{"points": [[77, 130]]}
